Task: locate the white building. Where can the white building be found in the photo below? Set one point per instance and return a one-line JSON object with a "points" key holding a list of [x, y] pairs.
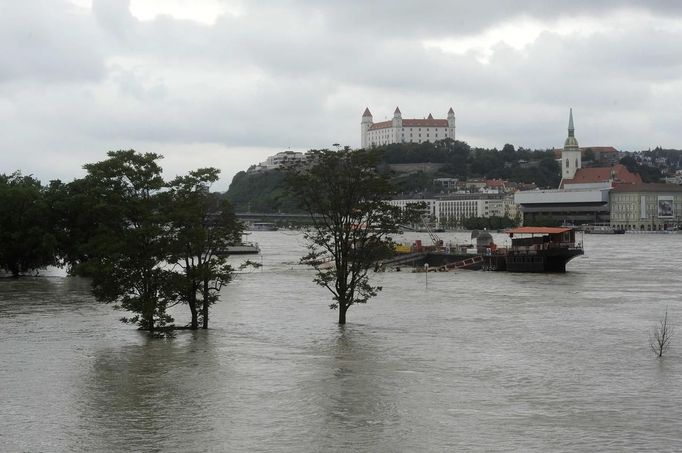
{"points": [[283, 158], [457, 207], [400, 130]]}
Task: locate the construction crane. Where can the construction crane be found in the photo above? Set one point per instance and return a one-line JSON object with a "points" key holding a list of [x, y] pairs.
{"points": [[426, 221]]}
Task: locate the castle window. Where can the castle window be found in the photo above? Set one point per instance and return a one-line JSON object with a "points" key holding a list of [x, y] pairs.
{"points": [[567, 164]]}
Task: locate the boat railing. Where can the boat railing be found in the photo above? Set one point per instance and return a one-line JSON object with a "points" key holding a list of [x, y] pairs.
{"points": [[534, 248]]}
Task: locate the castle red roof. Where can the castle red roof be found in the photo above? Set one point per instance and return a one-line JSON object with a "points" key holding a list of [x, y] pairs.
{"points": [[367, 112], [381, 125], [411, 123], [425, 123]]}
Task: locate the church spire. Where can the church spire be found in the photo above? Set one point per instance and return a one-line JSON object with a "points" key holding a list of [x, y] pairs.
{"points": [[571, 143], [571, 128]]}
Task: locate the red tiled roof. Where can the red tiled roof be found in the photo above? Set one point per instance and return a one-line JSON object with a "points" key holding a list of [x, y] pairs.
{"points": [[411, 123], [495, 183], [604, 174], [425, 123], [367, 112], [381, 125]]}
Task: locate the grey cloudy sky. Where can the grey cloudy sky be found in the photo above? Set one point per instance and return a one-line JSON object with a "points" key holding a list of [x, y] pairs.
{"points": [[226, 83]]}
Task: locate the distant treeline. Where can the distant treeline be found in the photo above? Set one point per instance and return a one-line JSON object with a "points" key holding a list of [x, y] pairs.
{"points": [[264, 191]]}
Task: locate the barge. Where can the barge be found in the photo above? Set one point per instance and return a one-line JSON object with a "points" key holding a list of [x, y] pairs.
{"points": [[535, 249]]}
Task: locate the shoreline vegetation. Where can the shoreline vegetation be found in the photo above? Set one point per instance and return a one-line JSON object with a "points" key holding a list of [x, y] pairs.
{"points": [[145, 244]]}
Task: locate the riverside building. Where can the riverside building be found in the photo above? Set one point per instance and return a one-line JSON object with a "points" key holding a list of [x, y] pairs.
{"points": [[408, 130], [454, 208], [583, 194], [646, 207]]}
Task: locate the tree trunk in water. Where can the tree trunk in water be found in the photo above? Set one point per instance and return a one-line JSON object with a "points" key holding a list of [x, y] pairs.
{"points": [[150, 323], [193, 310], [205, 293], [342, 313]]}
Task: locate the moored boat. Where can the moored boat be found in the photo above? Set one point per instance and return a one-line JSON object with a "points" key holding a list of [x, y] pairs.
{"points": [[535, 249], [246, 248], [602, 228]]}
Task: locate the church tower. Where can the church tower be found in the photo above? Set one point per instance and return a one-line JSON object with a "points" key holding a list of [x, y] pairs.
{"points": [[364, 128], [571, 159]]}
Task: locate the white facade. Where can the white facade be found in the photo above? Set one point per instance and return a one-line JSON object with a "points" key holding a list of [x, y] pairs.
{"points": [[646, 207], [400, 130], [282, 158], [559, 196], [459, 207]]}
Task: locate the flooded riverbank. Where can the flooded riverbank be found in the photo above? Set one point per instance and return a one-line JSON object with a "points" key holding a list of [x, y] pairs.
{"points": [[476, 361]]}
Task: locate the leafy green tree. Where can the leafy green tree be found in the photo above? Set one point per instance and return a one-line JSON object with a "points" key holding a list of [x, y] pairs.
{"points": [[202, 226], [76, 213], [263, 191], [648, 174], [542, 220], [27, 240], [344, 195], [127, 251]]}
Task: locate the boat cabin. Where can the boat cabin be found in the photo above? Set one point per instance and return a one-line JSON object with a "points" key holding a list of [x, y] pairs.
{"points": [[542, 237], [540, 249]]}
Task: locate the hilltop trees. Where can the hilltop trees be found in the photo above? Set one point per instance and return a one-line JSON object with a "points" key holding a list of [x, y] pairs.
{"points": [[344, 195], [263, 191]]}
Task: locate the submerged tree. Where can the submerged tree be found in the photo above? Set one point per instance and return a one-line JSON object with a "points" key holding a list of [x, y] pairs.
{"points": [[660, 337], [126, 252], [27, 240], [351, 222], [202, 226]]}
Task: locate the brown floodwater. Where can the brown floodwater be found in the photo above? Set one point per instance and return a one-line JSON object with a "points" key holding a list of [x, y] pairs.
{"points": [[477, 361]]}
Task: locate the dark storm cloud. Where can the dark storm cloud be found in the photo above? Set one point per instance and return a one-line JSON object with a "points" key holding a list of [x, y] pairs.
{"points": [[76, 82]]}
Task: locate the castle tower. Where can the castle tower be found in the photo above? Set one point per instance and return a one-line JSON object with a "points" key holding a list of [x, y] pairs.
{"points": [[451, 123], [364, 128], [396, 124], [397, 118], [571, 159]]}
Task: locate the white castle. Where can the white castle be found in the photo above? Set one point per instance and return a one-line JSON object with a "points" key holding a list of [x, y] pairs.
{"points": [[401, 130]]}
